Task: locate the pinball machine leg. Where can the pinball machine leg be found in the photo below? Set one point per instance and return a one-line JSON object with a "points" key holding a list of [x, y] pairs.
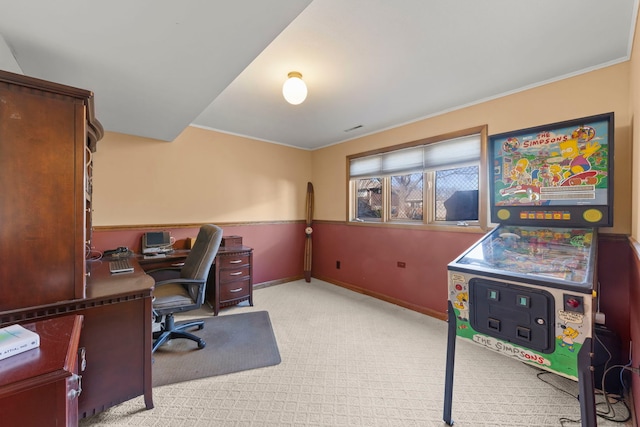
{"points": [[586, 385], [451, 353]]}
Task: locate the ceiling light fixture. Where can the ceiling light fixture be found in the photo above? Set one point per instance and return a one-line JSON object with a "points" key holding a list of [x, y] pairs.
{"points": [[294, 90]]}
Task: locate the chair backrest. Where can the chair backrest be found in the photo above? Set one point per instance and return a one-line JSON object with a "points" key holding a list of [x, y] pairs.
{"points": [[199, 261]]}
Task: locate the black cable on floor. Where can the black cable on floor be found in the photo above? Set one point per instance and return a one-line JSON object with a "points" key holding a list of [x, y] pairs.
{"points": [[609, 414]]}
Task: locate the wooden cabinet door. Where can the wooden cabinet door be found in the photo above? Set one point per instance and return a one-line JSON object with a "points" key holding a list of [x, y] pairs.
{"points": [[42, 161]]}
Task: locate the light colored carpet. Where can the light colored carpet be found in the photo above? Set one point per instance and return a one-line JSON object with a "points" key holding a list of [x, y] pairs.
{"points": [[352, 360]]}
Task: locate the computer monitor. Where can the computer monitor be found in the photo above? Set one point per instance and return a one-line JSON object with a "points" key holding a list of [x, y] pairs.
{"points": [[156, 242]]}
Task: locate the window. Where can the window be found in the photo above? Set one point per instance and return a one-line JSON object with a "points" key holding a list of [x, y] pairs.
{"points": [[456, 194], [407, 194], [369, 199], [428, 182]]}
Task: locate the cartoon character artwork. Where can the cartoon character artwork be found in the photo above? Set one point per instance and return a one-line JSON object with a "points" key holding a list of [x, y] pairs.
{"points": [[459, 297], [462, 304], [520, 174], [576, 159], [569, 331], [511, 144], [533, 169], [543, 176], [568, 337]]}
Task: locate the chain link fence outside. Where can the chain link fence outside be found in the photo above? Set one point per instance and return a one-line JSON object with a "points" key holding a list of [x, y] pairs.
{"points": [[452, 189], [450, 181]]}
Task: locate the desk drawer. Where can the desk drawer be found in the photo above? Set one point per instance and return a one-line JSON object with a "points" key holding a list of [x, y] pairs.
{"points": [[162, 263], [234, 260], [234, 274], [235, 290], [171, 260]]}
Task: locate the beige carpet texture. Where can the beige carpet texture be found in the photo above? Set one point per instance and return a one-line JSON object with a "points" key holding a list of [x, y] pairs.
{"points": [[352, 360]]}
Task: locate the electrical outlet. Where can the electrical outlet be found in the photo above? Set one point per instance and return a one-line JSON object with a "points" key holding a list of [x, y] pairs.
{"points": [[402, 264]]}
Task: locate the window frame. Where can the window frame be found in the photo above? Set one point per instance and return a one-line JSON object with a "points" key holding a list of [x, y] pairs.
{"points": [[428, 221]]}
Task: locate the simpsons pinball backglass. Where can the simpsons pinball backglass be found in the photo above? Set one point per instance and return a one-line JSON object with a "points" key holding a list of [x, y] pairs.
{"points": [[527, 289], [556, 175]]}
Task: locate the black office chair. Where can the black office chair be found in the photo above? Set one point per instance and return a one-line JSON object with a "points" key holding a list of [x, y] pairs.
{"points": [[179, 289]]}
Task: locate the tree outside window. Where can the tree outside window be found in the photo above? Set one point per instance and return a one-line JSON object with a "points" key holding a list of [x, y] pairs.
{"points": [[435, 182]]}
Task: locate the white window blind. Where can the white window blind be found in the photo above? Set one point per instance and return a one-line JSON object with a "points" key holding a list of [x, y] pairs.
{"points": [[365, 166], [452, 152], [403, 161], [415, 159]]}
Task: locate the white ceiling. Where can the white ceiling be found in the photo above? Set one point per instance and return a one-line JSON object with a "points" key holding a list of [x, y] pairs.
{"points": [[157, 66]]}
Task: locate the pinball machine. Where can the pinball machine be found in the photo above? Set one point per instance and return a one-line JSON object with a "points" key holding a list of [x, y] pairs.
{"points": [[528, 288]]}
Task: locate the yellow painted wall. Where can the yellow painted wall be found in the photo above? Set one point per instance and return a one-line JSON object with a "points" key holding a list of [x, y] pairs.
{"points": [[634, 99], [210, 176], [596, 92], [633, 300], [202, 176]]}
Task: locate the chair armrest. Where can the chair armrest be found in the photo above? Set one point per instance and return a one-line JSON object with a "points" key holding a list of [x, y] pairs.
{"points": [[182, 282], [196, 288]]}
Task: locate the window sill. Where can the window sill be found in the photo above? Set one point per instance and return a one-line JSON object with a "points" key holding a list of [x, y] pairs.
{"points": [[449, 227]]}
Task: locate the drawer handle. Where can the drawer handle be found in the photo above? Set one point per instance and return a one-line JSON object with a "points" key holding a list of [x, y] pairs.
{"points": [[236, 290], [235, 261], [178, 264], [237, 273], [72, 394], [82, 358]]}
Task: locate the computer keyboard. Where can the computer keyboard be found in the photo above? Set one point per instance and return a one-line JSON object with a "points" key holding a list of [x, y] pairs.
{"points": [[121, 265]]}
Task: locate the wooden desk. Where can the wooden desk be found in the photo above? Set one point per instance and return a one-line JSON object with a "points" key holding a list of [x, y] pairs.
{"points": [[40, 386], [118, 338], [173, 259], [116, 335], [230, 278]]}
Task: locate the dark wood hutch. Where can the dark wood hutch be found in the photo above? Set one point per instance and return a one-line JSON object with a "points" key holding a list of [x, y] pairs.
{"points": [[48, 133]]}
